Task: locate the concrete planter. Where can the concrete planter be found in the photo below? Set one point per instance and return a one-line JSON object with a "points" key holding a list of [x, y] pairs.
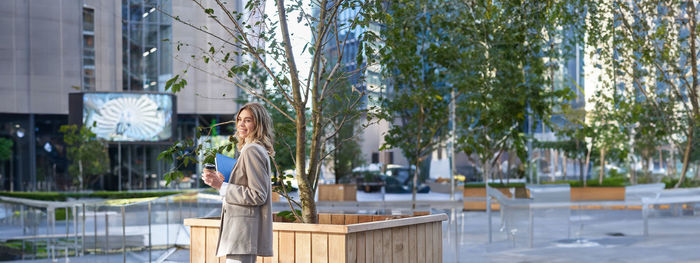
{"points": [[337, 238]]}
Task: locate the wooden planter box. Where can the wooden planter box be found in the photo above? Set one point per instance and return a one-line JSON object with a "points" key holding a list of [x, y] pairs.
{"points": [[475, 198], [337, 238], [337, 192], [597, 194]]}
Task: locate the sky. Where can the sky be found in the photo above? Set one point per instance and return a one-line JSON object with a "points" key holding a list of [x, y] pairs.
{"points": [[300, 35]]}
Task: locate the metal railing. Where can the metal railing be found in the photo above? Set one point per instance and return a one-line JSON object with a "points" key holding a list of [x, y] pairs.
{"points": [[50, 229]]}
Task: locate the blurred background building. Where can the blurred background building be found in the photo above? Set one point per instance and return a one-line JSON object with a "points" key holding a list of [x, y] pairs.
{"points": [[50, 49]]}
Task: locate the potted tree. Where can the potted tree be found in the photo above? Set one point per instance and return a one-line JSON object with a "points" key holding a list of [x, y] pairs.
{"points": [[253, 41]]}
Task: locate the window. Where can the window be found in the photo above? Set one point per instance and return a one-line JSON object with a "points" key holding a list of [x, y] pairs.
{"points": [[148, 60], [88, 48], [375, 157]]}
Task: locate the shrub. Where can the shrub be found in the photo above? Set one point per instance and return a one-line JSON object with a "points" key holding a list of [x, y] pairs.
{"points": [[54, 196], [671, 182]]}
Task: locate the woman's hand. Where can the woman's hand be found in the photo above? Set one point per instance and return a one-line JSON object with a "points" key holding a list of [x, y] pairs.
{"points": [[213, 178]]}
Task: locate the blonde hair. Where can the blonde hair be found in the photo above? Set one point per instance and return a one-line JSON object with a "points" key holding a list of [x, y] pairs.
{"points": [[263, 133]]}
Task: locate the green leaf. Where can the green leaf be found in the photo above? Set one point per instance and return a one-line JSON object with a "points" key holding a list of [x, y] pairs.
{"points": [[169, 83]]}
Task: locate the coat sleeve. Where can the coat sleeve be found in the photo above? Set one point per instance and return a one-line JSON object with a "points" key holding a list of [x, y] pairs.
{"points": [[256, 168]]}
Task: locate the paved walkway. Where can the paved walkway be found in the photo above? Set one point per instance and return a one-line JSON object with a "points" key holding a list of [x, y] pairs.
{"points": [[596, 236]]}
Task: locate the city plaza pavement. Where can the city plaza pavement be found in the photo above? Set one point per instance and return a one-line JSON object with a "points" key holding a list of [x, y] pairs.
{"points": [[591, 236]]}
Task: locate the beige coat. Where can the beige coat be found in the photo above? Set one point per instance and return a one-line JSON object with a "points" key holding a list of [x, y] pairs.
{"points": [[246, 214]]}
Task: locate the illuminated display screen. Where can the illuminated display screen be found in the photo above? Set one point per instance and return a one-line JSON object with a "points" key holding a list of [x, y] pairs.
{"points": [[129, 117]]}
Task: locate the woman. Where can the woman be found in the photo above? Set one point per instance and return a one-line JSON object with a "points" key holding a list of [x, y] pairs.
{"points": [[246, 215]]}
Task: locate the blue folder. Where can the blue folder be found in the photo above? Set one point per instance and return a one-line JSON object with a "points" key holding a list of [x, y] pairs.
{"points": [[224, 165]]}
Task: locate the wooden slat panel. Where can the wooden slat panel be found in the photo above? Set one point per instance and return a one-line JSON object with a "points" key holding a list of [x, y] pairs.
{"points": [[286, 247], [386, 245], [324, 218], [266, 259], [379, 217], [350, 192], [302, 247], [258, 259], [222, 259], [404, 235], [275, 246], [197, 244], [377, 246], [326, 228], [428, 242], [319, 247], [369, 247], [387, 224], [338, 219], [399, 244], [437, 241], [351, 247], [412, 244], [211, 240], [337, 192], [337, 248], [420, 243], [364, 218], [351, 219], [361, 247]]}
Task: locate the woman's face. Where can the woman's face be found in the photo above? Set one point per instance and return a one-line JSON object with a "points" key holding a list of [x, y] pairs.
{"points": [[245, 123]]}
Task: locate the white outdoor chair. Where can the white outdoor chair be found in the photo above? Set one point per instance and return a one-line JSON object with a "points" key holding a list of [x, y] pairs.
{"points": [[635, 193], [675, 198]]}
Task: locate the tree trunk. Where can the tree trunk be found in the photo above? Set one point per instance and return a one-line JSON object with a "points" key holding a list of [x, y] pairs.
{"points": [[335, 159], [602, 165], [563, 166], [486, 171], [12, 175], [306, 194], [645, 164], [686, 155], [511, 164], [306, 188], [580, 169], [80, 176], [415, 185], [633, 173], [500, 171], [585, 169], [671, 162], [693, 92]]}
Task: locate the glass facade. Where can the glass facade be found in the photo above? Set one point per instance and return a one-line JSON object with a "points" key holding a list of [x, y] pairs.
{"points": [[88, 49], [146, 57]]}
